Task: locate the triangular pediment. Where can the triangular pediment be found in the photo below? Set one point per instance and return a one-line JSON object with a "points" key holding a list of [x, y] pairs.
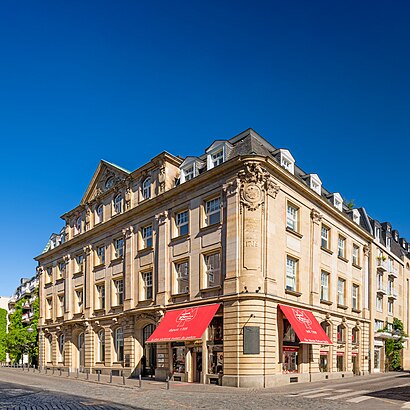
{"points": [[106, 176]]}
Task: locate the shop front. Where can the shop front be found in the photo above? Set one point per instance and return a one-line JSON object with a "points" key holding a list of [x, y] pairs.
{"points": [[195, 343]]}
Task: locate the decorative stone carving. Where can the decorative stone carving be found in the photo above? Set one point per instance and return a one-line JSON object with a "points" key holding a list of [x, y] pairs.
{"points": [[366, 250], [316, 216], [127, 232], [87, 249], [272, 188], [162, 217], [161, 179]]}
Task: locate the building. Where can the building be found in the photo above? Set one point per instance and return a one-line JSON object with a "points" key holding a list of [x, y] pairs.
{"points": [[234, 267]]}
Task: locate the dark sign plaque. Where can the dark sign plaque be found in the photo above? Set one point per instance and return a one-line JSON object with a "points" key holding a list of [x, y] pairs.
{"points": [[251, 340]]}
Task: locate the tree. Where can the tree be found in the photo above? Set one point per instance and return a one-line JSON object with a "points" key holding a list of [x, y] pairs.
{"points": [[3, 331], [393, 347]]}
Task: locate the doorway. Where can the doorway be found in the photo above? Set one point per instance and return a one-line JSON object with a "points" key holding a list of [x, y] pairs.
{"points": [[149, 358], [197, 364]]}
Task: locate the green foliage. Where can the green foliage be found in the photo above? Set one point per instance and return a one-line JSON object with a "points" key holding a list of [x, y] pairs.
{"points": [[349, 203], [393, 347], [3, 330]]}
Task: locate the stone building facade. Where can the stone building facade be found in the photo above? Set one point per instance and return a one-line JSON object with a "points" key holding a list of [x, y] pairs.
{"points": [[241, 228]]}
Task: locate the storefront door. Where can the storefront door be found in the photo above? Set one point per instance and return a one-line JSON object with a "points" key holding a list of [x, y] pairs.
{"points": [[197, 363], [149, 359], [377, 359]]}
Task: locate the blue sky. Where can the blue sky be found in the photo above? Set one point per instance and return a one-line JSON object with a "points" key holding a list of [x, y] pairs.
{"points": [[82, 81]]}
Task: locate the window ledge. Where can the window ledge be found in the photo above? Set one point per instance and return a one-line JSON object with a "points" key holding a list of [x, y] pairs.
{"points": [[179, 238], [60, 317], [211, 288], [293, 232], [342, 258], [293, 292], [356, 310], [99, 266], [59, 280], [326, 302], [207, 228], [118, 259], [78, 274], [144, 251], [177, 295], [116, 306], [102, 310], [344, 307], [48, 284], [326, 250], [356, 266]]}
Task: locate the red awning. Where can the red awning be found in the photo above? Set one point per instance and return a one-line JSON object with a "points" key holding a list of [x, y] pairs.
{"points": [[184, 324], [305, 325]]}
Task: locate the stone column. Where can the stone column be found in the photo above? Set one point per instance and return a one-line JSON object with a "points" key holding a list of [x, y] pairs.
{"points": [[162, 285], [128, 267], [315, 258]]}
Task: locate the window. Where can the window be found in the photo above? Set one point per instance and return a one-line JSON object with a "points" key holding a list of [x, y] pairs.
{"points": [[188, 172], [324, 286], [147, 280], [388, 242], [119, 292], [379, 303], [49, 277], [109, 182], [341, 248], [100, 296], [118, 204], [355, 297], [79, 260], [217, 158], [79, 300], [291, 265], [49, 307], [390, 287], [119, 344], [377, 234], [326, 327], [77, 226], [325, 233], [341, 291], [99, 213], [356, 216], [378, 325], [146, 188], [60, 305], [355, 255], [390, 306], [182, 223], [101, 345], [61, 268], [292, 217], [287, 161], [315, 183], [49, 348], [341, 337], [119, 247], [61, 341], [355, 336], [182, 277], [212, 212], [146, 233], [340, 361], [379, 281], [101, 254], [213, 269]]}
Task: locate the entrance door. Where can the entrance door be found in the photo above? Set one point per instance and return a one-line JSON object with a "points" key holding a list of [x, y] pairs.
{"points": [[149, 358], [197, 362], [377, 359]]}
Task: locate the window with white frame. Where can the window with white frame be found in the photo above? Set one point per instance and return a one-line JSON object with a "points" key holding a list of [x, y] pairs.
{"points": [[61, 268], [189, 172], [341, 284], [390, 286], [147, 284], [378, 325], [212, 211], [119, 344], [325, 237], [182, 277], [146, 188], [291, 270], [217, 158], [379, 281], [341, 247], [182, 223], [99, 214], [355, 255], [355, 296], [377, 233], [118, 204], [61, 342], [287, 161], [100, 288], [315, 183], [100, 254], [356, 216], [324, 285], [101, 345], [119, 292], [118, 247], [79, 300], [390, 306], [389, 327], [60, 305], [146, 234], [213, 269], [79, 261], [292, 214], [337, 201], [379, 303], [388, 242]]}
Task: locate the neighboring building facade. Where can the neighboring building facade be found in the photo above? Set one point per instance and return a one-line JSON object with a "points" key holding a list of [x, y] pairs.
{"points": [[283, 266]]}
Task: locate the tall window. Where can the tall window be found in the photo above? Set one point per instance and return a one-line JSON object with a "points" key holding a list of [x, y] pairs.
{"points": [[99, 214], [100, 296], [61, 268], [146, 233], [390, 306], [341, 291], [212, 211], [118, 204], [325, 234], [355, 296], [182, 277], [49, 308], [341, 249], [379, 281], [341, 337], [119, 344], [292, 217], [119, 291], [61, 340], [79, 296], [101, 345], [49, 277], [379, 303], [355, 255], [291, 265], [389, 287], [355, 336], [119, 247], [147, 279], [60, 305], [49, 348], [146, 188], [213, 269], [78, 225], [388, 242], [79, 260], [324, 286], [182, 223], [101, 254]]}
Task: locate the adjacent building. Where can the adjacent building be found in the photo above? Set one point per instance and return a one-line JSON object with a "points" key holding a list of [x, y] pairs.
{"points": [[233, 267]]}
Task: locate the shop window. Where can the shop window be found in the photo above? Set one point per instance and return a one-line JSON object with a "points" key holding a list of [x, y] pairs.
{"points": [[215, 348], [290, 359], [289, 334], [341, 337], [340, 362], [178, 357], [326, 327], [355, 336], [324, 362]]}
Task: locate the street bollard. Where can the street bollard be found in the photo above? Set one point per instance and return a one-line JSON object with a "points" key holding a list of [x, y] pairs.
{"points": [[60, 371], [168, 383], [123, 377], [86, 374], [77, 375], [34, 368], [139, 381], [110, 376], [99, 375], [53, 370], [68, 372], [46, 370]]}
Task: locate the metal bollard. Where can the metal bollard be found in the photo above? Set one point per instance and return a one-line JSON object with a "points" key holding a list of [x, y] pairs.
{"points": [[68, 372], [168, 382], [34, 368], [77, 375], [99, 375], [53, 370], [86, 374], [139, 381], [60, 371], [110, 376], [123, 377]]}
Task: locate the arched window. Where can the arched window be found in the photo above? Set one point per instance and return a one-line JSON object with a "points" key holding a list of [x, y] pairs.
{"points": [[50, 348], [101, 345], [118, 204], [341, 336], [355, 336], [119, 344], [146, 188], [99, 214], [61, 340], [326, 327]]}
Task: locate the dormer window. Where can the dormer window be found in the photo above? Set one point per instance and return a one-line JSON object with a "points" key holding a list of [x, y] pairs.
{"points": [[217, 153], [287, 161], [377, 233], [217, 158], [190, 168], [356, 216], [189, 172], [146, 188], [337, 201], [315, 183]]}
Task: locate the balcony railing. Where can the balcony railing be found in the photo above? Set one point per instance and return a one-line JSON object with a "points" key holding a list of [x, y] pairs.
{"points": [[392, 293], [381, 289], [394, 272], [381, 265]]}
